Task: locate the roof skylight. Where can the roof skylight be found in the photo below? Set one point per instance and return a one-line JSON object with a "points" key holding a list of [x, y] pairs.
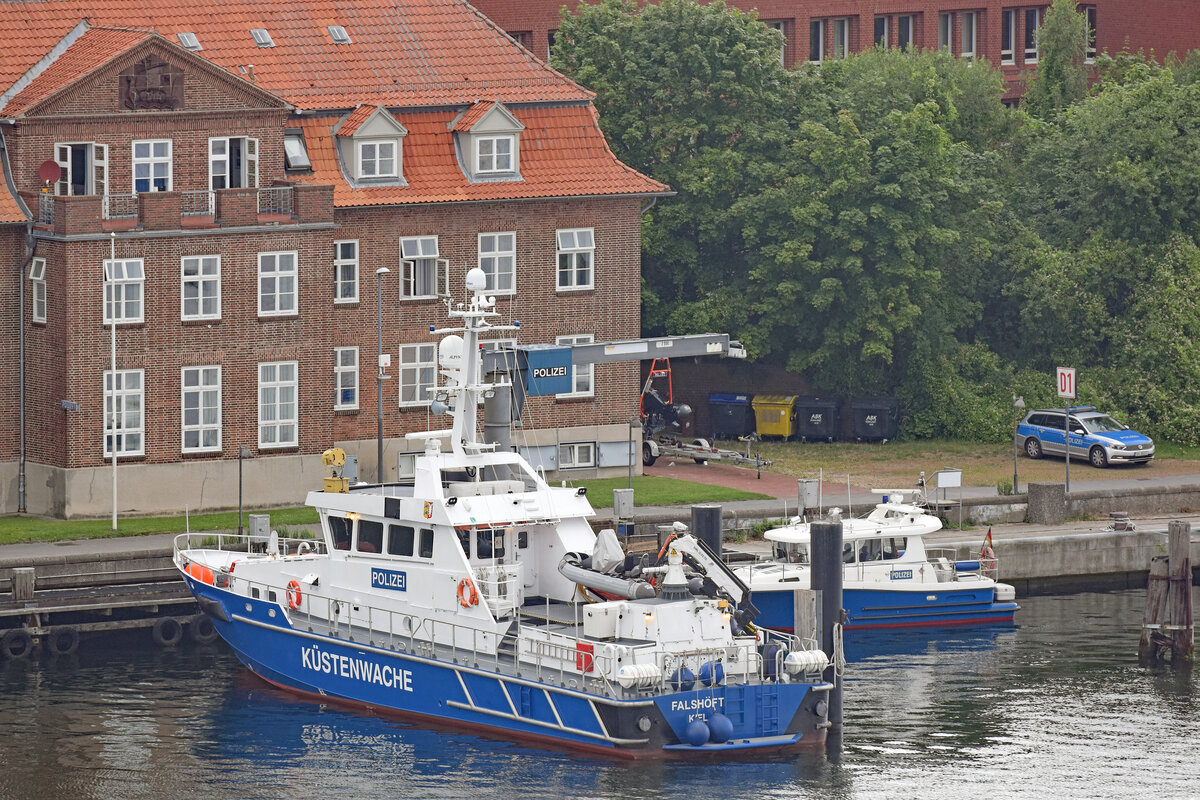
{"points": [[338, 34], [189, 41], [261, 37]]}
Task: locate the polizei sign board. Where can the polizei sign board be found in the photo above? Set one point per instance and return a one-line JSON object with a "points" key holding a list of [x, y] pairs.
{"points": [[547, 369]]}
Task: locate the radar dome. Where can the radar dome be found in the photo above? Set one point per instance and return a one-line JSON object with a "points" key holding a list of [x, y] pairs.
{"points": [[476, 280]]}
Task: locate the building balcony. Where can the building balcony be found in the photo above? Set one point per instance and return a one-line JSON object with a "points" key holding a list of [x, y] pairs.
{"points": [[281, 204]]}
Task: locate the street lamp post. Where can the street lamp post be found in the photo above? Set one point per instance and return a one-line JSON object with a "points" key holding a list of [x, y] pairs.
{"points": [[1018, 407], [379, 273]]}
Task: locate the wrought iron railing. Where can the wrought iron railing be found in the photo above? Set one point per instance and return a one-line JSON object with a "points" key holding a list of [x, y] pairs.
{"points": [[120, 206], [275, 200], [201, 203]]}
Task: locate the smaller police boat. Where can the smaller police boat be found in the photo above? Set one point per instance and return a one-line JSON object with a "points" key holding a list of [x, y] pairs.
{"points": [[475, 594], [890, 579]]}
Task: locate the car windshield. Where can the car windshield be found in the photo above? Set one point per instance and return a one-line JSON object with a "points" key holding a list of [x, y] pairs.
{"points": [[1102, 424]]}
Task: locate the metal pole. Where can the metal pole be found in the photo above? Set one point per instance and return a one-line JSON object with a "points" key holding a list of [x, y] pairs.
{"points": [[241, 453], [630, 453], [112, 265], [379, 370], [1067, 444], [1018, 407]]}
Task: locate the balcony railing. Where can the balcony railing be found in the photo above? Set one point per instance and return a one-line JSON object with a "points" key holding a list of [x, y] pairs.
{"points": [[198, 204], [120, 206], [275, 200], [45, 209]]}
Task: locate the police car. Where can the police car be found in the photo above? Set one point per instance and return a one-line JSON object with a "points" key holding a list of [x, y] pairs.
{"points": [[1094, 436]]}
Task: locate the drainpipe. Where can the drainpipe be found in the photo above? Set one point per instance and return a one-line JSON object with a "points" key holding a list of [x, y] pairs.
{"points": [[24, 269]]}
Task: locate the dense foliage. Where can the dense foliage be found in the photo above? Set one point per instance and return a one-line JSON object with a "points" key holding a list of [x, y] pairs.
{"points": [[884, 225]]}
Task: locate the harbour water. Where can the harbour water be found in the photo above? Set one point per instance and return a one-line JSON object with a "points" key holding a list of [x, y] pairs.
{"points": [[1054, 706]]}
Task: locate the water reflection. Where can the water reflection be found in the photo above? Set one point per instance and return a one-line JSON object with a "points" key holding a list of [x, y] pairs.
{"points": [[1055, 704]]}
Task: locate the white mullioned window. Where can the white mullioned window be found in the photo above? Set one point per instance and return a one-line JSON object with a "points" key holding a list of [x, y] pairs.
{"points": [[200, 290], [779, 26], [232, 162], [576, 256], [904, 31], [881, 31], [345, 375], [124, 285], [200, 398], [276, 284], [1032, 18], [422, 273], [418, 372], [1008, 35], [377, 159], [345, 271], [581, 374], [498, 260], [152, 165], [127, 396], [945, 31], [968, 34], [841, 37], [1090, 53], [277, 414], [816, 41], [37, 286], [576, 455], [494, 154]]}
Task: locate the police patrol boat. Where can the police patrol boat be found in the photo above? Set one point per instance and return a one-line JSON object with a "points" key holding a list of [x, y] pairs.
{"points": [[889, 579], [462, 596]]}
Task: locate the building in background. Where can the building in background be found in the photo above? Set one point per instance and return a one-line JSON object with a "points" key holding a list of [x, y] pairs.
{"points": [[220, 186], [1002, 32]]}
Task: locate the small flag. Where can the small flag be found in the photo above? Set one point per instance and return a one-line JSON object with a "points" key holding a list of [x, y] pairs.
{"points": [[987, 544]]}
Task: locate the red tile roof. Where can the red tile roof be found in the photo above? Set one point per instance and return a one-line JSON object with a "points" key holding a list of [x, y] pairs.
{"points": [[562, 154], [10, 210], [473, 115], [91, 50], [404, 53], [357, 117]]}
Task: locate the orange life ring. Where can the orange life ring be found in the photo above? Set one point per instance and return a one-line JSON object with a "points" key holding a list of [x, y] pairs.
{"points": [[987, 559], [468, 595], [293, 595]]}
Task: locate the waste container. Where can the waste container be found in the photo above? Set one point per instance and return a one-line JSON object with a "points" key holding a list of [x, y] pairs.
{"points": [[775, 414], [818, 418], [875, 419], [730, 415]]}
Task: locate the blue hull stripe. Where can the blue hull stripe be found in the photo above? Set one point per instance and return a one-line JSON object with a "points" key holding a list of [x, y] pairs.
{"points": [[881, 609]]}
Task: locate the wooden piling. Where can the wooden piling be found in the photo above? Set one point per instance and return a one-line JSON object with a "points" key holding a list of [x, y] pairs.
{"points": [[23, 582], [1167, 625]]}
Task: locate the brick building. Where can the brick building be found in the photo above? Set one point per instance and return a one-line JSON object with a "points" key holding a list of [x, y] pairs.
{"points": [[1002, 32], [221, 185]]}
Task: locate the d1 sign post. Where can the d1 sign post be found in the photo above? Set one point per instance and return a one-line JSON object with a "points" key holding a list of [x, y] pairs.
{"points": [[1065, 377]]}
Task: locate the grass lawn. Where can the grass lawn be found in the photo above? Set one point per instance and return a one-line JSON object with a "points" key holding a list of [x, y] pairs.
{"points": [[656, 491], [19, 528]]}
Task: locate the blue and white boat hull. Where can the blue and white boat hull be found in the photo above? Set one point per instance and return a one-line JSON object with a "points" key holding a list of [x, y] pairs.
{"points": [[925, 606]]}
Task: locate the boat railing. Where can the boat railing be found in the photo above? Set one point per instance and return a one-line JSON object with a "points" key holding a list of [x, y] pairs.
{"points": [[244, 543], [949, 567], [502, 587]]}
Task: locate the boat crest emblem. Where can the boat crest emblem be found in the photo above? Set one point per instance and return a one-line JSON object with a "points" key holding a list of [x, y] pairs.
{"points": [[428, 509]]}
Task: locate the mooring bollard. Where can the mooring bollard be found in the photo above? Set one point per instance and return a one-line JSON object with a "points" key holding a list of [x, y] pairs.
{"points": [[826, 543], [1167, 627]]}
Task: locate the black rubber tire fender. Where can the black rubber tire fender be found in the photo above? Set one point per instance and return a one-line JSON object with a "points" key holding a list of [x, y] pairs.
{"points": [[201, 629], [16, 644], [63, 641], [167, 632]]}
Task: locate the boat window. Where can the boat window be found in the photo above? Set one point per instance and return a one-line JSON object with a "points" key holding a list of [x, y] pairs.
{"points": [[522, 540], [400, 540], [489, 544], [791, 552], [464, 539], [342, 530], [848, 553], [871, 550], [370, 536], [426, 550], [894, 546]]}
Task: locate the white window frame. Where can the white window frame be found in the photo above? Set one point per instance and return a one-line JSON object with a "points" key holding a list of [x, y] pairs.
{"points": [[338, 34], [841, 37], [96, 158], [1031, 53], [345, 271], [279, 284], [779, 25], [581, 374], [816, 35], [970, 32], [378, 160], [151, 161], [495, 161], [903, 39], [881, 38], [345, 378], [37, 286], [567, 243], [278, 393], [419, 259], [1090, 52], [945, 31], [571, 455], [131, 413], [417, 372], [124, 291], [205, 282], [220, 168], [204, 395], [499, 263], [1008, 24]]}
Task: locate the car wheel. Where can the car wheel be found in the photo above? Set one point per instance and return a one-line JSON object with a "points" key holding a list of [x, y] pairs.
{"points": [[1098, 457], [1033, 448]]}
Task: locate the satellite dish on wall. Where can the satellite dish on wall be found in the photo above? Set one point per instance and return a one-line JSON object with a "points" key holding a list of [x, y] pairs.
{"points": [[49, 171]]}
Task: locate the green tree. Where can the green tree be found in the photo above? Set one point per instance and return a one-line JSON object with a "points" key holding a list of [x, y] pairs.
{"points": [[1061, 78]]}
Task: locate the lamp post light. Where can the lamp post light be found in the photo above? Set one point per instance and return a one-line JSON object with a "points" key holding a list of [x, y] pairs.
{"points": [[1018, 407], [379, 273], [243, 452]]}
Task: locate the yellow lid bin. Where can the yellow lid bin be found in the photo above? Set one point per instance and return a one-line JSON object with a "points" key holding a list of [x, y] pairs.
{"points": [[775, 415]]}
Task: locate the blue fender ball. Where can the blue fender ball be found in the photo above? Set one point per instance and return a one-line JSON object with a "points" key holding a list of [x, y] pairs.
{"points": [[720, 728], [712, 673], [682, 680], [697, 733]]}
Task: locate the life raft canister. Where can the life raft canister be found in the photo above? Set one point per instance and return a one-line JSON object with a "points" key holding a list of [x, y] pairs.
{"points": [[293, 595], [468, 595]]}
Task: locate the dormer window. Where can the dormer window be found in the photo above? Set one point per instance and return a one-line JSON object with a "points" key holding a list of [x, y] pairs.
{"points": [[494, 154], [261, 37], [377, 159]]}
